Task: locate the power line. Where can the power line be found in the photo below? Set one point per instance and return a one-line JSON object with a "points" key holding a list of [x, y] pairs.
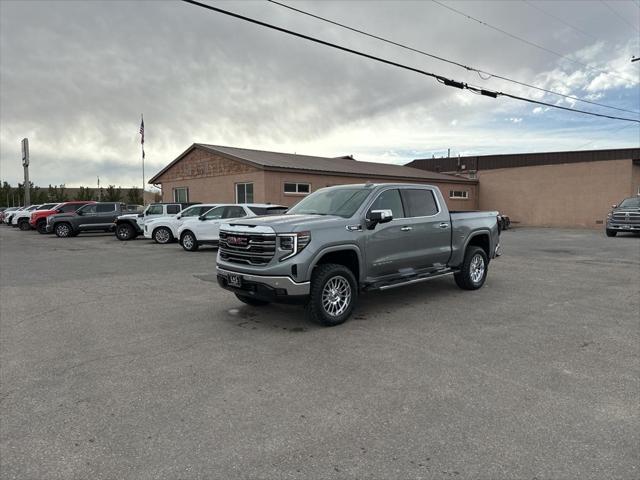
{"points": [[452, 62], [445, 81], [561, 20], [516, 37], [611, 9], [618, 130]]}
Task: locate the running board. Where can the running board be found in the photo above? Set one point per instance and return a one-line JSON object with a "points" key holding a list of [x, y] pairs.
{"points": [[402, 283]]}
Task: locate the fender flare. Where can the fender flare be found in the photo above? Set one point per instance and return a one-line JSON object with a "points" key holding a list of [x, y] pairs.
{"points": [[477, 233], [337, 248]]}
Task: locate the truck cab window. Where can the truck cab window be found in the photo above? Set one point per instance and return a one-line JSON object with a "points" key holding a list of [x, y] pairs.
{"points": [[389, 200], [419, 202]]}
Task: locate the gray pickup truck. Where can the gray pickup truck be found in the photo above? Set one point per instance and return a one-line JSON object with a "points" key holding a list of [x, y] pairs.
{"points": [[624, 217], [93, 217], [342, 240]]}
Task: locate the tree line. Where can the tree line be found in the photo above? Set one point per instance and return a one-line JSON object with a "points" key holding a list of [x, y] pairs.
{"points": [[14, 196]]}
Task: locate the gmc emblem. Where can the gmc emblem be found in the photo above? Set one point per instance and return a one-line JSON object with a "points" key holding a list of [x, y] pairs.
{"points": [[237, 241]]}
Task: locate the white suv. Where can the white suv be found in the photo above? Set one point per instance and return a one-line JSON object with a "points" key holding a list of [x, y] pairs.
{"points": [[205, 228], [165, 230]]}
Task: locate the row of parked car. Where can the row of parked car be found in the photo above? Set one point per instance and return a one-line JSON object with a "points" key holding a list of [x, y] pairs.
{"points": [[192, 224]]}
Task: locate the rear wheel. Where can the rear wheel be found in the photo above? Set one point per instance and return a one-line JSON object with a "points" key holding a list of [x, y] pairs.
{"points": [[41, 226], [189, 242], [611, 233], [254, 302], [124, 231], [23, 225], [63, 230], [162, 235], [333, 295], [474, 269]]}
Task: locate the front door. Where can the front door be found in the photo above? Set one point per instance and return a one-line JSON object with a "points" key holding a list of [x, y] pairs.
{"points": [[106, 214]]}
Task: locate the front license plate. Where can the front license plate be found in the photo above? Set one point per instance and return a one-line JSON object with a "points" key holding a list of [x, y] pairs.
{"points": [[235, 280], [626, 227]]}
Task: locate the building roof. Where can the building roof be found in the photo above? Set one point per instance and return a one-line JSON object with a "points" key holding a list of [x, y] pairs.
{"points": [[512, 160], [345, 165]]}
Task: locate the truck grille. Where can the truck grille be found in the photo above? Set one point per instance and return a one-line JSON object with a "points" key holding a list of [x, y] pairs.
{"points": [[249, 249], [626, 217]]}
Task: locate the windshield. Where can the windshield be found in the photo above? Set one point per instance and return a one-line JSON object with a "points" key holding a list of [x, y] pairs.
{"points": [[630, 203], [342, 202]]}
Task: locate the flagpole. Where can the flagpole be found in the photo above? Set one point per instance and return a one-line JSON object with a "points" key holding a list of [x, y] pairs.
{"points": [[142, 148]]}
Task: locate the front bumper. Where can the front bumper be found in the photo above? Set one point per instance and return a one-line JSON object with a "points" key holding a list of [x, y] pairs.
{"points": [[262, 287], [624, 227]]}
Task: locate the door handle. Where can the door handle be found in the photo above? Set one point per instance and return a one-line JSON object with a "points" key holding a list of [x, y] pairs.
{"points": [[444, 225], [406, 229]]}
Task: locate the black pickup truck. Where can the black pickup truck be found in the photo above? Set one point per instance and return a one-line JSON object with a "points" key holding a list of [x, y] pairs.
{"points": [[94, 217]]}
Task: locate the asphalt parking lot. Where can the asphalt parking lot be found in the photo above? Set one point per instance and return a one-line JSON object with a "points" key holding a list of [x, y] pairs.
{"points": [[124, 360]]}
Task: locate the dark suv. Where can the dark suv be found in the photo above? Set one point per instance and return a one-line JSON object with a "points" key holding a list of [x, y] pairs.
{"points": [[624, 217], [94, 217]]}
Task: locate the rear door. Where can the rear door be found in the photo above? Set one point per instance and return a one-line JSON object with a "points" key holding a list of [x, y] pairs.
{"points": [[106, 213], [427, 229]]}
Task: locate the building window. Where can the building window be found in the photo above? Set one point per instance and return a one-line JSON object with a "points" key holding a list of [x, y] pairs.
{"points": [[181, 194], [244, 192], [297, 188], [459, 194]]}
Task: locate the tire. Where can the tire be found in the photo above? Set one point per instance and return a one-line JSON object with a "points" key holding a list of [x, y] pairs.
{"points": [[474, 269], [162, 235], [41, 226], [254, 302], [24, 225], [334, 291], [63, 230], [611, 233], [189, 241], [124, 232]]}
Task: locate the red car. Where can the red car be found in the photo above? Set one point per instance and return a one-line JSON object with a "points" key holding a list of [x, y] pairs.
{"points": [[38, 218]]}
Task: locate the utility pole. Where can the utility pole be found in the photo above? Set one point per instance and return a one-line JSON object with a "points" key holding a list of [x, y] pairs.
{"points": [[99, 193], [25, 164]]}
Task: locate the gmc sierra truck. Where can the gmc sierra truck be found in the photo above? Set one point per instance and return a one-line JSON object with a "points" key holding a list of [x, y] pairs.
{"points": [[342, 240]]}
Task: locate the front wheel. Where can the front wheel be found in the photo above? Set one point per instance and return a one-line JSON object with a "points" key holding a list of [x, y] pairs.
{"points": [[63, 230], [162, 235], [124, 232], [24, 225], [611, 233], [474, 269], [189, 242], [334, 291], [254, 302]]}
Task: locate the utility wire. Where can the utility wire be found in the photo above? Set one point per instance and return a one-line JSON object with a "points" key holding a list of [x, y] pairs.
{"points": [[452, 62], [618, 130], [446, 81], [561, 20], [620, 17], [516, 37]]}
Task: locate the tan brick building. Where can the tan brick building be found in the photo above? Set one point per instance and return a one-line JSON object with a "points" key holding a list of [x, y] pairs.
{"points": [[560, 189], [211, 173]]}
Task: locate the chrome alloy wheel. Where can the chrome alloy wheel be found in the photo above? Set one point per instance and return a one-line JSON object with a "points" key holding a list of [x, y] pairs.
{"points": [[476, 269], [162, 235], [188, 241], [63, 230], [336, 296]]}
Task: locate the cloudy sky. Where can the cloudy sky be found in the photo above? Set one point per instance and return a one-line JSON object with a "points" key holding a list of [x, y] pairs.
{"points": [[75, 77]]}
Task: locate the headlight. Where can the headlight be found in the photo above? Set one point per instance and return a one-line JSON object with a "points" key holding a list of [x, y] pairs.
{"points": [[609, 215], [290, 244]]}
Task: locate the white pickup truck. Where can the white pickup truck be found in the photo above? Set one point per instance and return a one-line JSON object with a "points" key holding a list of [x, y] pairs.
{"points": [[129, 226]]}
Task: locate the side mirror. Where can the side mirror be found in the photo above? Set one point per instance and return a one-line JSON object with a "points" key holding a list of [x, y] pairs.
{"points": [[58, 210], [201, 217], [79, 212], [141, 215], [178, 217], [614, 206], [379, 216]]}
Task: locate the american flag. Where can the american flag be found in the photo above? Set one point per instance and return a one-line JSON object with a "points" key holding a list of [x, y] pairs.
{"points": [[142, 134]]}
